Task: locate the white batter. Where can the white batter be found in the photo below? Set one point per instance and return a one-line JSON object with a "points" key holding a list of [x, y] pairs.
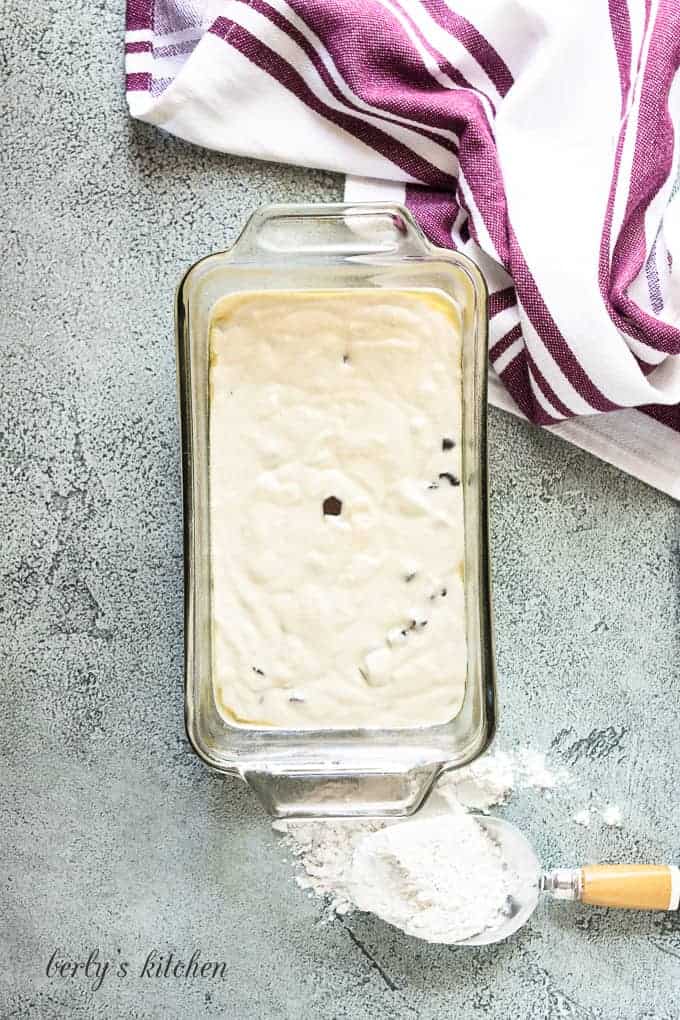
{"points": [[336, 509]]}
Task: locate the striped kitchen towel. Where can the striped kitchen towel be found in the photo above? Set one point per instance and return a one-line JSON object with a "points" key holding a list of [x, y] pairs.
{"points": [[539, 138]]}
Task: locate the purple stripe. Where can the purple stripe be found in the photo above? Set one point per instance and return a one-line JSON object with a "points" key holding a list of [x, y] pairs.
{"points": [[501, 346], [500, 300], [618, 11], [159, 85], [138, 15], [516, 378], [535, 376], [172, 16], [652, 164], [140, 82], [456, 76], [264, 8], [629, 252], [542, 383], [539, 315], [138, 47], [669, 416], [272, 63], [378, 61], [479, 163], [435, 211], [522, 377], [619, 18], [653, 282], [484, 178], [620, 25], [176, 49], [488, 58], [546, 327]]}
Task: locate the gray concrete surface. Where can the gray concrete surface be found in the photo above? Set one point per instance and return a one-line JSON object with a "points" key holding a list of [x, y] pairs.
{"points": [[113, 834]]}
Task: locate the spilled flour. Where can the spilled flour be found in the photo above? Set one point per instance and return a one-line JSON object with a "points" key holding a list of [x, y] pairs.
{"points": [[438, 876], [613, 816]]}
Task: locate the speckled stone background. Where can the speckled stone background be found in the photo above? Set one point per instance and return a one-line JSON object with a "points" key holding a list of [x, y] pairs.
{"points": [[113, 835]]}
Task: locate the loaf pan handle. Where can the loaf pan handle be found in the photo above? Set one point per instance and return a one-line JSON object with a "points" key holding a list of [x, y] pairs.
{"points": [[276, 232], [343, 794]]}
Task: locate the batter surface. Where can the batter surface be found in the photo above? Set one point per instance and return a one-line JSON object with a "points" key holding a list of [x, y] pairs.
{"points": [[336, 509]]}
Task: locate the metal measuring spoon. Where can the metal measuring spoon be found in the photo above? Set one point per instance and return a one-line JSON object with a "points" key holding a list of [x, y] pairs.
{"points": [[631, 886]]}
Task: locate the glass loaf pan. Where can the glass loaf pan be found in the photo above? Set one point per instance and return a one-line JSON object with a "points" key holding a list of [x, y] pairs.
{"points": [[327, 772]]}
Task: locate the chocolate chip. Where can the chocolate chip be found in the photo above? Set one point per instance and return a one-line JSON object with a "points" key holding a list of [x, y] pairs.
{"points": [[294, 699], [409, 577], [447, 444], [444, 592], [450, 478], [332, 506], [433, 485], [345, 359], [258, 671]]}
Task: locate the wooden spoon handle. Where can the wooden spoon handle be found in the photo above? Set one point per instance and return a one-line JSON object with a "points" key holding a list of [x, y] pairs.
{"points": [[631, 886]]}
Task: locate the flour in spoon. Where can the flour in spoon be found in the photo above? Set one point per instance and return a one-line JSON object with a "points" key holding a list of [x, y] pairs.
{"points": [[441, 879]]}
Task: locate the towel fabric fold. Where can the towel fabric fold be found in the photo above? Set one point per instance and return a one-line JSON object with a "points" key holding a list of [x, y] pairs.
{"points": [[538, 138]]}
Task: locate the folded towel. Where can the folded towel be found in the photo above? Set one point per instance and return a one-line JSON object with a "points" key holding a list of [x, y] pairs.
{"points": [[538, 138]]}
